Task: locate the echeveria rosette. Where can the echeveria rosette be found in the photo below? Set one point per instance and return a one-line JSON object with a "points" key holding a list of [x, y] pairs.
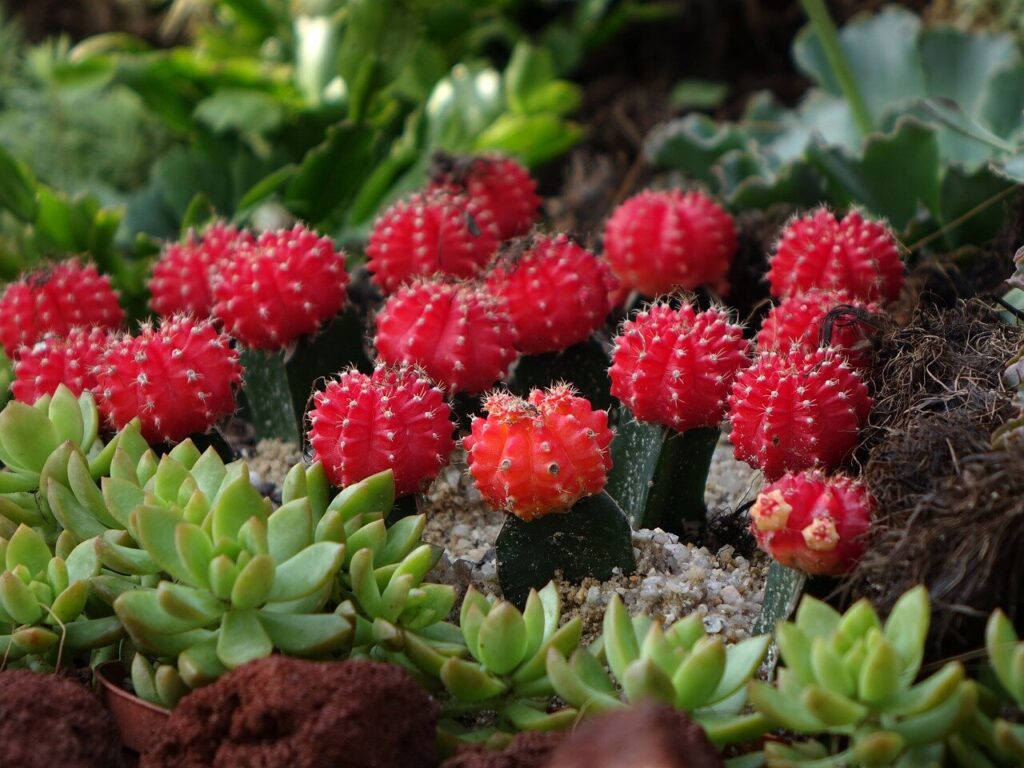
{"points": [[680, 666], [243, 582], [43, 599], [851, 676], [496, 658]]}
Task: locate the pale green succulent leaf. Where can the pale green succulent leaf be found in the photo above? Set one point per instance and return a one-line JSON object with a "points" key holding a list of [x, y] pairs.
{"points": [[69, 604], [1001, 642], [35, 640], [372, 537], [154, 528], [742, 661], [307, 635], [88, 634], [529, 718], [832, 708], [645, 681], [185, 453], [116, 551], [816, 618], [222, 575], [143, 679], [237, 503], [575, 691], [722, 730], [18, 599], [242, 638], [121, 498], [27, 437], [188, 603], [620, 643], [402, 538], [195, 550], [71, 515], [85, 490], [879, 679], [929, 693], [330, 527], [468, 682], [209, 472], [27, 547], [501, 642], [782, 710], [374, 494], [66, 416], [57, 574], [199, 664], [170, 687], [307, 571], [254, 582], [290, 529], [143, 615], [936, 724], [907, 628], [698, 676]]}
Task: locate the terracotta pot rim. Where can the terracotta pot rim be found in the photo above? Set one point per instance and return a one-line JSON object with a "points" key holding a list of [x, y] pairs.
{"points": [[105, 673]]}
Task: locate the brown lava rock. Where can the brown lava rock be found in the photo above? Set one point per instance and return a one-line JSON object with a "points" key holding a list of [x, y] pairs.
{"points": [[526, 750], [646, 736], [47, 720], [282, 712]]}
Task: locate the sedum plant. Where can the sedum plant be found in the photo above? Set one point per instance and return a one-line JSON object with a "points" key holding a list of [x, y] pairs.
{"points": [[849, 680], [988, 739], [501, 664], [241, 580], [43, 601], [681, 666]]}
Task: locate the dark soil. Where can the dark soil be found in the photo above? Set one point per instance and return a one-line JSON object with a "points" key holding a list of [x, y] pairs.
{"points": [[288, 713], [640, 737], [526, 750], [47, 720], [950, 506]]}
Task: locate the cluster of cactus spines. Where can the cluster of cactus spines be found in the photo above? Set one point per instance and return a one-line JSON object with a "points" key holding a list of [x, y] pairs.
{"points": [[660, 241], [531, 457], [851, 676], [460, 334], [556, 292], [803, 321], [283, 286], [181, 278], [679, 665], [675, 367], [178, 378], [55, 299], [395, 418], [855, 254], [496, 184], [812, 522], [792, 411], [43, 599], [429, 233], [55, 359]]}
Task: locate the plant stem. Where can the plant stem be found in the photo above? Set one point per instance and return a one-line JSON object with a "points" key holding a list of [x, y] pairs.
{"points": [[825, 29], [268, 395]]}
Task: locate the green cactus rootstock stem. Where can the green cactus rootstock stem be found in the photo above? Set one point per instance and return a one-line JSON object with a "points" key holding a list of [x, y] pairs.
{"points": [[268, 395], [825, 29], [659, 475]]}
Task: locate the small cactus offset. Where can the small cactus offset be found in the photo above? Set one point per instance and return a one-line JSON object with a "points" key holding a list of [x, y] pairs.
{"points": [[658, 242], [182, 278], [56, 299], [678, 665], [853, 677], [813, 523], [497, 185], [792, 411], [556, 293], [71, 360], [854, 254], [177, 378], [460, 335], [395, 418], [672, 368], [428, 233]]}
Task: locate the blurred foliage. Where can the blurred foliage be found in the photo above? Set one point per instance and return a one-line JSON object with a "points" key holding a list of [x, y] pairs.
{"points": [[323, 110], [992, 15], [946, 109]]}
